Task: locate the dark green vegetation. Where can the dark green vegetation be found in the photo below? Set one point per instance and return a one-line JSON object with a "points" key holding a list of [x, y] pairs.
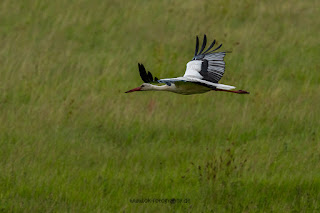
{"points": [[71, 140]]}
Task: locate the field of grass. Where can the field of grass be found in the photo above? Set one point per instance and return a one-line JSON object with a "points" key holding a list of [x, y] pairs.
{"points": [[71, 140]]}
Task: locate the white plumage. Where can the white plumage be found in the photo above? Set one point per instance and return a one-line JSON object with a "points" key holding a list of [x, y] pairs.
{"points": [[202, 74], [193, 69]]}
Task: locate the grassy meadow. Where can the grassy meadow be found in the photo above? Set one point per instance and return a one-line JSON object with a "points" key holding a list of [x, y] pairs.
{"points": [[71, 140]]}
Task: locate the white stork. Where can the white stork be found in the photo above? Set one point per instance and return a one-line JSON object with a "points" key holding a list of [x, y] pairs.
{"points": [[202, 74]]}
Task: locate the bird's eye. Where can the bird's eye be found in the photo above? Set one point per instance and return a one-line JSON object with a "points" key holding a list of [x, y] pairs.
{"points": [[142, 85]]}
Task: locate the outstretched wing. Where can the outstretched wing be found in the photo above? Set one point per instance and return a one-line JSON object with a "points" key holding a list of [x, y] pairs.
{"points": [[207, 65], [146, 76]]}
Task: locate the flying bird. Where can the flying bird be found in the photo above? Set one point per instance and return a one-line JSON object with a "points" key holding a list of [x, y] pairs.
{"points": [[202, 75]]}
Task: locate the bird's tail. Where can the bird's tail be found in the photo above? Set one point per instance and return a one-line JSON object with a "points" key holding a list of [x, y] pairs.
{"points": [[227, 88], [224, 87]]}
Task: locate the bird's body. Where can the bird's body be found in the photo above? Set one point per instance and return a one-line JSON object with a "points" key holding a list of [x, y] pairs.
{"points": [[184, 88], [189, 88], [202, 75]]}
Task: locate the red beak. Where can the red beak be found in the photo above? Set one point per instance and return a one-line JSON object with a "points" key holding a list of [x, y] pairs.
{"points": [[135, 89]]}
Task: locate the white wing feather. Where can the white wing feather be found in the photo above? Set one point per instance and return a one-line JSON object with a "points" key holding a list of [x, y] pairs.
{"points": [[193, 69], [195, 80]]}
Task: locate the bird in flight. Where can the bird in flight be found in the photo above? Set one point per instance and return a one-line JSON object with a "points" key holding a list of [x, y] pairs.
{"points": [[202, 74]]}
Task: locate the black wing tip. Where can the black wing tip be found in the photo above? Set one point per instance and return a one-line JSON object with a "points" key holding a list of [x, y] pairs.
{"points": [[197, 46], [204, 42], [218, 47], [145, 75], [142, 72]]}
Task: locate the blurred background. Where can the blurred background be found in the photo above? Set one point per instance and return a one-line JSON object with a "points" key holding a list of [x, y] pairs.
{"points": [[71, 140]]}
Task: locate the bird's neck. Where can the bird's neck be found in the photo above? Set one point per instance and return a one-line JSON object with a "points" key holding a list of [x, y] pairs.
{"points": [[162, 88]]}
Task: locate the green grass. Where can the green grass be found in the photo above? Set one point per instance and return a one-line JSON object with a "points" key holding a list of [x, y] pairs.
{"points": [[71, 140]]}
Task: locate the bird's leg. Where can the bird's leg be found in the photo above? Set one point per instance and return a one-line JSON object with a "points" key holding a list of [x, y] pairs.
{"points": [[233, 91]]}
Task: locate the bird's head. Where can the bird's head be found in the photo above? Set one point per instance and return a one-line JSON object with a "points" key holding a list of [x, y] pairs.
{"points": [[143, 87]]}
